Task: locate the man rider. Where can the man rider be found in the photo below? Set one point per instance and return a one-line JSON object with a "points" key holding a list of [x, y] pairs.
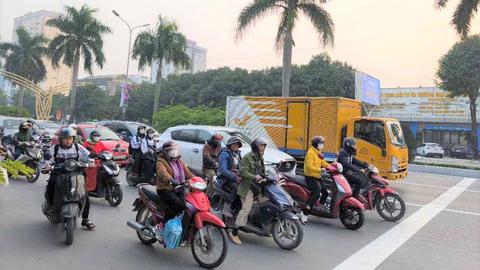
{"points": [[314, 162], [353, 169], [211, 149], [65, 150], [252, 168], [24, 135], [228, 171], [148, 147], [136, 151]]}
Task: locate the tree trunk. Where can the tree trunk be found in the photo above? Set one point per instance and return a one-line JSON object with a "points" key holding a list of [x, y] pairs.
{"points": [[287, 64], [21, 93], [157, 90], [473, 114], [73, 92]]}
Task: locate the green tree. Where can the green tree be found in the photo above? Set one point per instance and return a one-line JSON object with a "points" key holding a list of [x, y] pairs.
{"points": [[28, 100], [459, 74], [290, 11], [141, 96], [180, 115], [162, 45], [24, 58], [3, 98], [463, 15], [14, 111], [81, 37]]}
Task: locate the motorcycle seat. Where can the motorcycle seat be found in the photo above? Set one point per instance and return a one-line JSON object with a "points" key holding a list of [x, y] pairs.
{"points": [[151, 193], [297, 179]]}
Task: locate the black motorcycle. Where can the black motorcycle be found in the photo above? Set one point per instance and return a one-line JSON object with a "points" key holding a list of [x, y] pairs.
{"points": [[133, 179], [273, 216], [31, 157], [107, 184], [68, 197]]}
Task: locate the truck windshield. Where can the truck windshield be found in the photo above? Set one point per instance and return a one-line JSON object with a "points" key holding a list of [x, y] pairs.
{"points": [[396, 134]]}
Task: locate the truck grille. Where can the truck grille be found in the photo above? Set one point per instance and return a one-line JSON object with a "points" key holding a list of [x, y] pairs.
{"points": [[286, 166]]}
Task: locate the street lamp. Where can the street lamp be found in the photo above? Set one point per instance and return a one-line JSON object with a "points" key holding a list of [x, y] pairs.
{"points": [[128, 54]]}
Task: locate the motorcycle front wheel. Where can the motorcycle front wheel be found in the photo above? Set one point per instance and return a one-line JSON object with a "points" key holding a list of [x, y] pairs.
{"points": [[69, 228], [391, 207], [287, 233], [352, 218], [212, 251], [129, 178], [114, 194]]}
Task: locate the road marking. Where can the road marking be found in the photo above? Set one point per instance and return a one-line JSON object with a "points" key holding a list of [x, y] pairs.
{"points": [[373, 254], [448, 209], [432, 186]]}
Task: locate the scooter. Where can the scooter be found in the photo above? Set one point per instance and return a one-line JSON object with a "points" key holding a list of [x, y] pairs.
{"points": [[205, 232], [339, 204], [133, 179], [69, 197], [380, 196], [274, 217], [102, 181], [31, 157]]}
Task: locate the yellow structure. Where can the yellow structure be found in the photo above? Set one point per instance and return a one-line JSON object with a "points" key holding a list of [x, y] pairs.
{"points": [[43, 98], [290, 123]]}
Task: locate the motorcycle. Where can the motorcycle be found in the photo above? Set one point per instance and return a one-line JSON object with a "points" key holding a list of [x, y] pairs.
{"points": [[205, 232], [32, 157], [102, 179], [275, 216], [69, 197], [380, 196], [133, 179], [339, 204]]}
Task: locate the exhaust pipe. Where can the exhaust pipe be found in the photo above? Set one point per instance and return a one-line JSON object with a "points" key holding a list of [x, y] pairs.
{"points": [[135, 225]]}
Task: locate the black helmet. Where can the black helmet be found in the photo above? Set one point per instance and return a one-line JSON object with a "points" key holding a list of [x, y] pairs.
{"points": [[234, 140], [257, 143], [94, 134], [66, 132], [350, 145], [141, 127], [317, 140]]}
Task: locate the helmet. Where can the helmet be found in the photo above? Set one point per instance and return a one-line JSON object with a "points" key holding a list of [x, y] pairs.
{"points": [[73, 126], [94, 134], [66, 132], [216, 137], [171, 149], [141, 127], [234, 140], [317, 140], [257, 143], [350, 144]]}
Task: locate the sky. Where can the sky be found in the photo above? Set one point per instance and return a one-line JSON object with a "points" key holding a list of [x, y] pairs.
{"points": [[398, 42]]}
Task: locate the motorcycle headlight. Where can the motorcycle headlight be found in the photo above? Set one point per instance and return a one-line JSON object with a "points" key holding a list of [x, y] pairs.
{"points": [[395, 166], [107, 155], [70, 166]]}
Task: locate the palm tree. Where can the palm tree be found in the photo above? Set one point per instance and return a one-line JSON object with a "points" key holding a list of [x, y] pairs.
{"points": [[24, 58], [289, 12], [160, 46], [463, 15], [81, 36]]}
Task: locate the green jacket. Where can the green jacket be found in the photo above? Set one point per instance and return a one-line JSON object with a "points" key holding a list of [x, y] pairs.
{"points": [[22, 137], [251, 165]]}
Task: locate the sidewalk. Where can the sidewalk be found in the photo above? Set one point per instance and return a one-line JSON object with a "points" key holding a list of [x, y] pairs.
{"points": [[448, 162]]}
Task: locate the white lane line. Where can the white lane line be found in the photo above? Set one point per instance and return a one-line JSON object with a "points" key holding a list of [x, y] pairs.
{"points": [[373, 254], [448, 209], [422, 185]]}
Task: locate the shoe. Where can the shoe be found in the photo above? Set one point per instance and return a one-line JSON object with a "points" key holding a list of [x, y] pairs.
{"points": [[303, 218], [235, 239], [87, 224], [308, 207], [323, 208], [158, 230]]}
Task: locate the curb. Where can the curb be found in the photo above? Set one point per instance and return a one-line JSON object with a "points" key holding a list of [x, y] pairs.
{"points": [[444, 170]]}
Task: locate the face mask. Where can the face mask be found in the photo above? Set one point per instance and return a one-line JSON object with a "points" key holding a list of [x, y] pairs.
{"points": [[320, 146], [150, 135], [141, 131], [175, 153], [96, 139]]}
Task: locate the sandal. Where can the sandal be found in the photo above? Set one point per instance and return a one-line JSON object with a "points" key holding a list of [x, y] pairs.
{"points": [[87, 224]]}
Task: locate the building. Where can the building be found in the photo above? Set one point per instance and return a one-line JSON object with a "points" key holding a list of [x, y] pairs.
{"points": [[430, 113], [198, 56], [35, 24], [109, 83]]}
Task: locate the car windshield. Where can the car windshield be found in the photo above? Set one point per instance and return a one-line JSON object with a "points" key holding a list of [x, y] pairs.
{"points": [[396, 134], [105, 134], [12, 123], [134, 127], [51, 125], [227, 134], [433, 145]]}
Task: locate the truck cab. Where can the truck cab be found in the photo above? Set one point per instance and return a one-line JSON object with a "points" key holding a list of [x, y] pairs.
{"points": [[380, 141]]}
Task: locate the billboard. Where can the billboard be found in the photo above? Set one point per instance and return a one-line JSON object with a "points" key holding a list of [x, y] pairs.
{"points": [[367, 88], [423, 104]]}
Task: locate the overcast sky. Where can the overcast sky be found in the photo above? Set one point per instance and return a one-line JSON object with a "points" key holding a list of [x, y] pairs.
{"points": [[398, 42]]}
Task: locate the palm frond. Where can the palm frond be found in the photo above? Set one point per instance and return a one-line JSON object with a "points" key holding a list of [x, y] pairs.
{"points": [[251, 13], [463, 16], [441, 3], [321, 20]]}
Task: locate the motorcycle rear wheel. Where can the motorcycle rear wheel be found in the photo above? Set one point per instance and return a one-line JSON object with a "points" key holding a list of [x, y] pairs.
{"points": [[215, 250], [129, 178], [143, 217], [69, 228], [384, 206], [348, 217], [287, 233], [114, 194]]}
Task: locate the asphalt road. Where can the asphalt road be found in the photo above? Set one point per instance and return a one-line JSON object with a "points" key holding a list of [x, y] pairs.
{"points": [[441, 230]]}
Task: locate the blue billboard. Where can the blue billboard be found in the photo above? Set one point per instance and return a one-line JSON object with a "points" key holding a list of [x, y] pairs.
{"points": [[367, 88]]}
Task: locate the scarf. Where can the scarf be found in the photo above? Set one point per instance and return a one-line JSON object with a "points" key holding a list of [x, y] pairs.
{"points": [[178, 172]]}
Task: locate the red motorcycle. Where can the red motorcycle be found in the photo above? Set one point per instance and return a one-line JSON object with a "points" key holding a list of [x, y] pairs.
{"points": [[378, 194], [205, 232], [339, 204]]}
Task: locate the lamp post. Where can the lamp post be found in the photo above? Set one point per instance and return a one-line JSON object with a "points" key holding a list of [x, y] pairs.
{"points": [[128, 55]]}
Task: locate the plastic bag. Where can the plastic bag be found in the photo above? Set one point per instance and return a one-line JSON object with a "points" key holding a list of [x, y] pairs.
{"points": [[172, 232]]}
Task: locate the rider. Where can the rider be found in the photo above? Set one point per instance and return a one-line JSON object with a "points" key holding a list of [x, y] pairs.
{"points": [[353, 169], [211, 149], [24, 134], [314, 162], [135, 145], [96, 146], [227, 176], [78, 139], [65, 150], [149, 145], [252, 168]]}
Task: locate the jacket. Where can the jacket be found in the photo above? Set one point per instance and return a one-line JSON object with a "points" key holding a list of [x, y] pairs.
{"points": [[97, 147], [22, 137], [252, 164], [313, 163], [226, 166], [210, 156], [165, 173], [350, 163]]}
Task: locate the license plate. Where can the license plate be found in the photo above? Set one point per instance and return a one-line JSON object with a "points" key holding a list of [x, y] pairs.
{"points": [[120, 157]]}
